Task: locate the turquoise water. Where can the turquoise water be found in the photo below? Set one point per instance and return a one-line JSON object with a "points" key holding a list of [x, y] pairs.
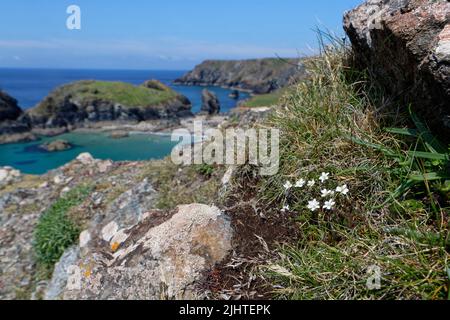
{"points": [[28, 158], [29, 86]]}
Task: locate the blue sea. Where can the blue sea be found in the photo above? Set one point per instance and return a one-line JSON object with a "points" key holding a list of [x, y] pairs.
{"points": [[30, 86]]}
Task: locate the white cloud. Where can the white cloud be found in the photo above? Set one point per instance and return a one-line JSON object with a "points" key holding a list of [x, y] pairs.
{"points": [[171, 49]]}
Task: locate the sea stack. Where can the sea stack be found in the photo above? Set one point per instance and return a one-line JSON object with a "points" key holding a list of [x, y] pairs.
{"points": [[210, 103]]}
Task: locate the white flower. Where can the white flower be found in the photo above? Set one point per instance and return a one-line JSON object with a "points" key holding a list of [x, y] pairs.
{"points": [[285, 208], [343, 190], [326, 193], [313, 205], [300, 183], [329, 204], [311, 183], [287, 185], [324, 177]]}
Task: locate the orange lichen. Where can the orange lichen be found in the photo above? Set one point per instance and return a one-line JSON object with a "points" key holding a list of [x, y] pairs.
{"points": [[115, 246], [87, 272]]}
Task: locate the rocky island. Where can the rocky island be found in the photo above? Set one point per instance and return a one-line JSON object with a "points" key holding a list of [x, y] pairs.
{"points": [[95, 101], [88, 102]]}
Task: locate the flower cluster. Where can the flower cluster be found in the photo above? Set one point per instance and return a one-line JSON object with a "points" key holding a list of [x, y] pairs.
{"points": [[328, 195]]}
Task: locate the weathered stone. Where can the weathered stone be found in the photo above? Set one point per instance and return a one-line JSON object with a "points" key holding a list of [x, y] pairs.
{"points": [[85, 158], [406, 45], [161, 256]]}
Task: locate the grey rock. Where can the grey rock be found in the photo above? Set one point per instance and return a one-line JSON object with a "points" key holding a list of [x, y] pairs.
{"points": [[406, 45], [161, 257]]}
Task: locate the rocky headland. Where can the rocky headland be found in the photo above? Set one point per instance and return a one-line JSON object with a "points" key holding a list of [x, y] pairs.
{"points": [[258, 76]]}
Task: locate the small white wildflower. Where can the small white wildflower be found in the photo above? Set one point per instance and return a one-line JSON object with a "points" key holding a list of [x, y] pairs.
{"points": [[300, 183], [313, 205], [311, 183], [326, 193], [324, 177], [285, 208], [329, 204], [343, 190], [287, 185]]}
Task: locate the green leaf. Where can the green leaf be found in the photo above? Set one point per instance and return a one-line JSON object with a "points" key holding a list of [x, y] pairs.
{"points": [[402, 131], [429, 155], [430, 140], [385, 150], [431, 176]]}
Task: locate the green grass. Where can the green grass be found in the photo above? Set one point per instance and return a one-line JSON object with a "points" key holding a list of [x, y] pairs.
{"points": [[265, 100], [125, 94], [178, 185], [55, 231], [407, 238]]}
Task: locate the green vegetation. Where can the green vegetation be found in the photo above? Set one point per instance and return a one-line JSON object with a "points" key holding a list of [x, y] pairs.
{"points": [[266, 100], [332, 123], [123, 93], [55, 231], [177, 185]]}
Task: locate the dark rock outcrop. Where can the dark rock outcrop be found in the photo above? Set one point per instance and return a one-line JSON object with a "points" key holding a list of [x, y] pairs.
{"points": [[83, 102], [406, 45], [9, 113], [210, 103], [258, 75], [9, 110], [234, 95]]}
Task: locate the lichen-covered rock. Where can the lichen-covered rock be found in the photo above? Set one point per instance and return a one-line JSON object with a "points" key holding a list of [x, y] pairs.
{"points": [[160, 257], [118, 194], [8, 175], [406, 45]]}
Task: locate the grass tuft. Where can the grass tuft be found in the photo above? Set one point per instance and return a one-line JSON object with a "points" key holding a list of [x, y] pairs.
{"points": [[55, 231], [407, 239]]}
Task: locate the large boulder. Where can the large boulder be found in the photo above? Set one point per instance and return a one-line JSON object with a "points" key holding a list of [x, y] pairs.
{"points": [[162, 256], [406, 45], [9, 110], [210, 103]]}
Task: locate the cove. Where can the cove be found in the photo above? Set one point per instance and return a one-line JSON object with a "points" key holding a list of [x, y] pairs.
{"points": [[28, 158]]}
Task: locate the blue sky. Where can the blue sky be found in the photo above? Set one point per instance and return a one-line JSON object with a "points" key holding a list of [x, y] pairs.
{"points": [[168, 34]]}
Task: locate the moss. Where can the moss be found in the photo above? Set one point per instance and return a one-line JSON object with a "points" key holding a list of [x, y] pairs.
{"points": [[266, 100]]}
